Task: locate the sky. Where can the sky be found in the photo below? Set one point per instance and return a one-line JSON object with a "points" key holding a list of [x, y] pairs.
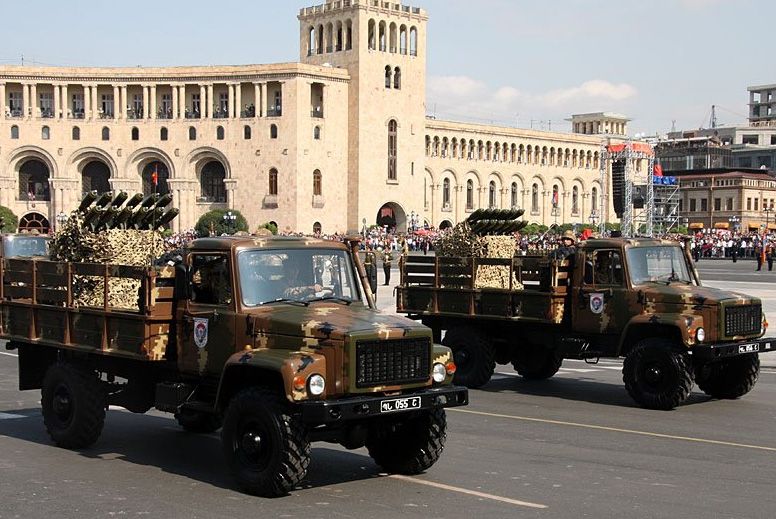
{"points": [[520, 63]]}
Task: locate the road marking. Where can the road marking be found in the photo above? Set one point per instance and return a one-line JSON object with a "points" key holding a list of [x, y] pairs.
{"points": [[10, 416], [466, 491], [8, 354], [618, 429]]}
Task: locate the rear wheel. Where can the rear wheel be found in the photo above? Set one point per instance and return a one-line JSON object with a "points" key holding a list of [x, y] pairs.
{"points": [[656, 375], [473, 356], [536, 363], [73, 403], [409, 444], [730, 378], [266, 446]]}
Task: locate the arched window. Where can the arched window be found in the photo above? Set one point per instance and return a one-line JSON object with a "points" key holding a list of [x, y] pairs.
{"points": [[397, 78], [310, 41], [192, 133], [392, 149], [158, 170], [105, 133], [575, 200], [45, 133], [349, 35], [135, 134], [14, 132], [320, 39], [535, 199], [220, 133], [34, 181], [372, 36], [513, 195], [492, 203], [446, 193], [76, 133], [413, 41], [317, 229], [273, 131], [387, 76], [273, 181], [469, 194], [211, 182], [95, 177], [246, 132], [594, 200], [393, 37], [317, 133], [317, 183], [163, 133], [381, 37], [555, 195], [403, 39]]}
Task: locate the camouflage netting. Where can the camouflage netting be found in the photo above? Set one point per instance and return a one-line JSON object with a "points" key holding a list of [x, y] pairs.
{"points": [[105, 230], [487, 233]]}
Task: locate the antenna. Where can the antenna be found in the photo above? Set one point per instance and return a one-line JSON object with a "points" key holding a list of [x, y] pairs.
{"points": [[713, 118]]}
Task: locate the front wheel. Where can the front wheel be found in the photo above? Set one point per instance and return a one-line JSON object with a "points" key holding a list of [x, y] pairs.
{"points": [[266, 446], [730, 378], [73, 403], [409, 444], [473, 356], [656, 375]]}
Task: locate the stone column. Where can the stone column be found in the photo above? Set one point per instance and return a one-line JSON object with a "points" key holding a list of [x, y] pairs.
{"points": [[56, 101], [116, 102], [3, 102], [257, 99], [145, 101], [264, 101], [65, 102], [209, 101], [238, 100], [95, 102], [153, 101], [230, 102], [124, 102], [34, 100], [87, 102], [203, 106], [174, 89]]}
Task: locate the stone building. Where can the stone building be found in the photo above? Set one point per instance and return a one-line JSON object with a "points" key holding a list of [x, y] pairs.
{"points": [[335, 141]]}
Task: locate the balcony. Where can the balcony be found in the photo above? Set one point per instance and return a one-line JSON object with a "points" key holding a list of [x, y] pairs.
{"points": [[135, 113], [192, 114], [164, 113], [276, 111], [47, 113], [14, 113], [317, 112], [221, 113], [249, 112]]}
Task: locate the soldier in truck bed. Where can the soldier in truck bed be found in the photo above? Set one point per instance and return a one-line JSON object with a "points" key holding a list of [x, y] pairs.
{"points": [[567, 248]]}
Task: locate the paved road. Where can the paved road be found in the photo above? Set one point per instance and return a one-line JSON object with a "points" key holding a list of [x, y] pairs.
{"points": [[573, 446]]}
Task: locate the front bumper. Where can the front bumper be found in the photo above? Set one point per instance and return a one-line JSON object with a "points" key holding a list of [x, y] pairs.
{"points": [[361, 407], [709, 352]]}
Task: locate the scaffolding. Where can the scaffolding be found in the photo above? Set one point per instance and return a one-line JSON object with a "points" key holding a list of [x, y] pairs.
{"points": [[633, 156]]}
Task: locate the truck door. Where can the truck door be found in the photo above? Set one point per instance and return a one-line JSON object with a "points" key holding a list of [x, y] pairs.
{"points": [[601, 294], [207, 324]]}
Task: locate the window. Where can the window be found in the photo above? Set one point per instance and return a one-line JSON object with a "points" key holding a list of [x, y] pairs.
{"points": [[273, 131], [34, 181], [604, 267], [397, 78], [773, 140], [273, 181], [46, 104], [717, 204], [748, 204], [14, 132], [105, 133], [106, 105], [575, 200], [729, 204], [413, 41], [165, 112], [317, 228], [317, 183], [135, 134], [137, 106], [195, 105], [704, 204], [192, 133], [212, 187], [76, 133], [446, 193], [469, 194], [45, 133], [15, 104], [513, 195], [535, 199], [693, 205], [756, 204], [387, 76], [220, 133], [210, 280], [750, 139], [594, 200], [246, 132], [317, 133], [555, 196], [492, 194], [223, 105], [163, 134], [392, 149]]}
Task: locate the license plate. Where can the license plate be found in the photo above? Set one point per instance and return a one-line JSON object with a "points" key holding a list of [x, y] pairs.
{"points": [[749, 348], [400, 404]]}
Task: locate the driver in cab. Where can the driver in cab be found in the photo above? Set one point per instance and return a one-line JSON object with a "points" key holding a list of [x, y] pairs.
{"points": [[296, 288]]}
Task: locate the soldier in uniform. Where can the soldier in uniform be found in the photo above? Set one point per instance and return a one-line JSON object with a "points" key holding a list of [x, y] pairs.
{"points": [[387, 260], [370, 266], [567, 248]]}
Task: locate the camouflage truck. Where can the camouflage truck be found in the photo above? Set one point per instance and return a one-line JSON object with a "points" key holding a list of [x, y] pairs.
{"points": [[273, 340], [640, 299]]}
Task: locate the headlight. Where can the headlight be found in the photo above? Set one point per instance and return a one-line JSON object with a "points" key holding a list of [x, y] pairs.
{"points": [[439, 373], [316, 384], [700, 335]]}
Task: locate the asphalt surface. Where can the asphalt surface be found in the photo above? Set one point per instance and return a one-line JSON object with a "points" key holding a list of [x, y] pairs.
{"points": [[572, 446]]}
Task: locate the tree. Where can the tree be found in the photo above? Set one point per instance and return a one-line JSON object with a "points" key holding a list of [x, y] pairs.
{"points": [[9, 220], [213, 223], [271, 227]]}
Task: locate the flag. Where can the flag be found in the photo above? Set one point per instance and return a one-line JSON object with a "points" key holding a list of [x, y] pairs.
{"points": [[155, 176], [658, 170], [555, 198]]}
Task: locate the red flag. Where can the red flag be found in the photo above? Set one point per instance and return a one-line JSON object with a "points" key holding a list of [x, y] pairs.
{"points": [[555, 197], [658, 171], [155, 177]]}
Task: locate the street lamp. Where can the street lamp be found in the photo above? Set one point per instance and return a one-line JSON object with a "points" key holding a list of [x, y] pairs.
{"points": [[229, 220], [593, 218], [61, 219], [734, 222], [767, 210]]}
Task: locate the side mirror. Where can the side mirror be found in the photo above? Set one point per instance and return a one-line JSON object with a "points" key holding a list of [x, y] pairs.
{"points": [[182, 285]]}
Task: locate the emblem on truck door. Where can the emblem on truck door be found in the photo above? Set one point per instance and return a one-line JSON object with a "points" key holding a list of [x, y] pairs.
{"points": [[596, 303], [200, 332]]}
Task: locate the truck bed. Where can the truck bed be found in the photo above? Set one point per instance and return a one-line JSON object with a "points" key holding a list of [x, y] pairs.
{"points": [[449, 287], [38, 305]]}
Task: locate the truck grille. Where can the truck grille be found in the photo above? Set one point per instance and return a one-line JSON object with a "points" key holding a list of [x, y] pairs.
{"points": [[392, 362], [743, 320]]}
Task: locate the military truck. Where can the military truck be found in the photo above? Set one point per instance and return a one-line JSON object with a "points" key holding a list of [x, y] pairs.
{"points": [[273, 340], [640, 299]]}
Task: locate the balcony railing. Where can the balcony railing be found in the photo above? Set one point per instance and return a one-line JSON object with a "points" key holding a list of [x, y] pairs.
{"points": [[220, 113], [135, 114], [192, 114], [276, 111], [14, 113], [249, 112], [164, 114], [47, 113]]}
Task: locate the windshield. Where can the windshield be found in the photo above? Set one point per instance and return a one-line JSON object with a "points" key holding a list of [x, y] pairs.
{"points": [[657, 264], [303, 275], [25, 246]]}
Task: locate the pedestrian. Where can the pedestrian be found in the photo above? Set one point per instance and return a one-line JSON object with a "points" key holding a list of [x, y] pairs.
{"points": [[734, 250], [769, 252], [387, 260], [370, 266], [759, 254]]}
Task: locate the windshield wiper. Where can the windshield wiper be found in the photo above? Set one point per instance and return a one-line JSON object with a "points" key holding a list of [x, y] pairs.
{"points": [[332, 298], [287, 301]]}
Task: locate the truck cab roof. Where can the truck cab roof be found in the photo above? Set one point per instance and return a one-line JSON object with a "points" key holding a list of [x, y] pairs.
{"points": [[227, 243], [617, 243]]}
